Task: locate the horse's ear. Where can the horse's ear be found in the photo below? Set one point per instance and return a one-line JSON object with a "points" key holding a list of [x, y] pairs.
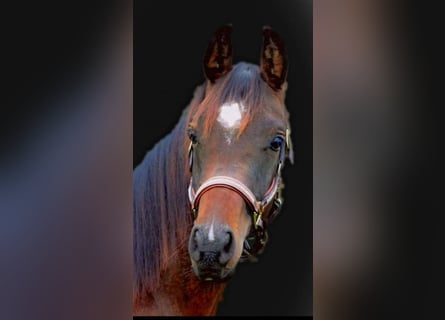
{"points": [[273, 64], [218, 57]]}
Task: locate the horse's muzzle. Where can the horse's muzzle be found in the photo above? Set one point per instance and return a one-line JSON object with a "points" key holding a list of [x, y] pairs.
{"points": [[211, 248]]}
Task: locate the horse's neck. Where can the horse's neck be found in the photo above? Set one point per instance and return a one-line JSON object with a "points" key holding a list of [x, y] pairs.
{"points": [[181, 293]]}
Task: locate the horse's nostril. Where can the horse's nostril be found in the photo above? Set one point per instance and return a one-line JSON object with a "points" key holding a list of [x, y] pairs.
{"points": [[194, 240], [228, 245], [195, 243]]}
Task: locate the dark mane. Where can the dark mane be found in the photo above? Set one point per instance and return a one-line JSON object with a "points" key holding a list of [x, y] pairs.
{"points": [[242, 84], [161, 211]]}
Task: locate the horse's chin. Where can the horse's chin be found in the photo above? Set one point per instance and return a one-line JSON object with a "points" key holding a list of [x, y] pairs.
{"points": [[208, 274]]}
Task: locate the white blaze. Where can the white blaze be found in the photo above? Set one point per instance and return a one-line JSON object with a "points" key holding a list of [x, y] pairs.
{"points": [[230, 115], [211, 234]]}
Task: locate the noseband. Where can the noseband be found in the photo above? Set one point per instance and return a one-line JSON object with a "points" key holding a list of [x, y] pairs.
{"points": [[257, 238]]}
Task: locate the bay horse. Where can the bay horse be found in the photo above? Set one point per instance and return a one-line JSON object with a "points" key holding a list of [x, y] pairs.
{"points": [[205, 194]]}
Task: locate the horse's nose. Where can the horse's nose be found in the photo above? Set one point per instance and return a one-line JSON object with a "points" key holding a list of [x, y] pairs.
{"points": [[211, 245]]}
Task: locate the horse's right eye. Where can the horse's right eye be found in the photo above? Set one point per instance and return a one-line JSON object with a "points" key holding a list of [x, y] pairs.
{"points": [[192, 136], [277, 143]]}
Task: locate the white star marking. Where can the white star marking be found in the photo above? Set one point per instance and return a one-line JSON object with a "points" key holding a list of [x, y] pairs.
{"points": [[230, 115]]}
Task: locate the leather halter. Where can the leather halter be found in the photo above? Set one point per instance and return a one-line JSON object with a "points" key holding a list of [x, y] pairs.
{"points": [[257, 238]]}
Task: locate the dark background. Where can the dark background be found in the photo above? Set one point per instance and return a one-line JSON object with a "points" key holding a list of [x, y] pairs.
{"points": [[169, 43], [66, 245]]}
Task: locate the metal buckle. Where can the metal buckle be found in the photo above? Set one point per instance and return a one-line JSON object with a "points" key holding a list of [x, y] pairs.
{"points": [[194, 213], [257, 215]]}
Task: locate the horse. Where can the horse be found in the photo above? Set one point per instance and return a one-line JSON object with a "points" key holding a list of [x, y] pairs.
{"points": [[206, 193]]}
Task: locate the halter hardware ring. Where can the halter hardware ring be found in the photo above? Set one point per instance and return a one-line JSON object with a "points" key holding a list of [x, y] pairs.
{"points": [[256, 218]]}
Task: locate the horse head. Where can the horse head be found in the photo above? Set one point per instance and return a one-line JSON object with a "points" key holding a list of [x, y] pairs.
{"points": [[239, 140]]}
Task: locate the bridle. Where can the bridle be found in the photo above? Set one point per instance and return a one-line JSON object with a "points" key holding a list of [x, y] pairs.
{"points": [[257, 237]]}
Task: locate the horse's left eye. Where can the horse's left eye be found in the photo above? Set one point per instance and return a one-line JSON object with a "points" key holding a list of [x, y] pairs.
{"points": [[277, 143], [192, 135]]}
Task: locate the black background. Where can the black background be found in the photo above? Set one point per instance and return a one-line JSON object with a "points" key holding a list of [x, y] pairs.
{"points": [[49, 48], [169, 43]]}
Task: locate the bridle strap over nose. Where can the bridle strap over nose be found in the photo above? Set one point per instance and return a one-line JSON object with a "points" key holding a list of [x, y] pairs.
{"points": [[233, 184], [256, 206]]}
